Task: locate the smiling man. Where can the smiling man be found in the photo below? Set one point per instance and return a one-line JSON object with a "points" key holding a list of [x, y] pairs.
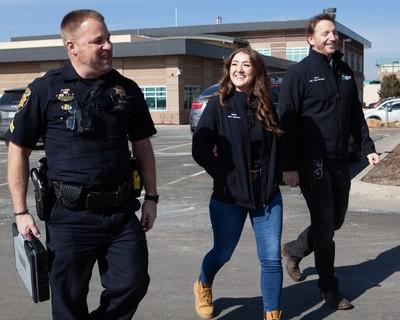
{"points": [[319, 110], [87, 113]]}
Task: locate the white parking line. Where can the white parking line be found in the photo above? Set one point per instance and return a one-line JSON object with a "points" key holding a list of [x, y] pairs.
{"points": [[184, 178], [180, 210], [171, 154], [3, 184], [173, 147]]}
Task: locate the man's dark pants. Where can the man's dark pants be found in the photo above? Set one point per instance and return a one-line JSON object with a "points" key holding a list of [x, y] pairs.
{"points": [[327, 198], [115, 239]]}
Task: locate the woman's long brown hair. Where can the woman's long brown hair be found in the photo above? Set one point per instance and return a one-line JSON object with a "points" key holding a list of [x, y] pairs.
{"points": [[260, 90]]}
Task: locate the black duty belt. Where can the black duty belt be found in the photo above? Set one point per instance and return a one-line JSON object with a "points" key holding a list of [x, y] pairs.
{"points": [[77, 197]]}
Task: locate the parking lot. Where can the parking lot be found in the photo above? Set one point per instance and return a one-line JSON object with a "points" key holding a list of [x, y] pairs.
{"points": [[367, 259]]}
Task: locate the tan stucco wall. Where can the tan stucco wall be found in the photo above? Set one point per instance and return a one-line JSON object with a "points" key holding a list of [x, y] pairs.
{"points": [[371, 93]]}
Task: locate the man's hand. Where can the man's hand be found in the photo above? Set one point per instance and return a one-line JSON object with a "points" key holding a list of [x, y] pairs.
{"points": [[27, 226], [291, 178], [149, 214], [373, 158]]}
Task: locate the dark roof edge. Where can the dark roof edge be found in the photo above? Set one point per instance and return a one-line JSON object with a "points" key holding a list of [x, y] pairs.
{"points": [[138, 49], [216, 28]]}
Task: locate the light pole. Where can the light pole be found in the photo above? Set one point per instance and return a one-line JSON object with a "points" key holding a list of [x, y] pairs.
{"points": [[394, 76]]}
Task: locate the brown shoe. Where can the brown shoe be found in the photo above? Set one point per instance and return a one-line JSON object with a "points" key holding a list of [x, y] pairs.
{"points": [[272, 315], [203, 300], [292, 265], [336, 301]]}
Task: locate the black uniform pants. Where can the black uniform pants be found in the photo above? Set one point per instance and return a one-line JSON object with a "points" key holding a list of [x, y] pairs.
{"points": [[115, 239], [325, 186]]}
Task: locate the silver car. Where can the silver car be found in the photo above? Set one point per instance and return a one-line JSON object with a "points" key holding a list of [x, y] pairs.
{"points": [[8, 107]]}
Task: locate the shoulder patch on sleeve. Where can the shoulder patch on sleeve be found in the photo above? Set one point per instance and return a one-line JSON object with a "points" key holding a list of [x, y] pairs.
{"points": [[24, 99], [12, 126]]}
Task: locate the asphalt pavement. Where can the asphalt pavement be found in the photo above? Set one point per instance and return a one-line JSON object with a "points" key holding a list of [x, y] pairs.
{"points": [[367, 258]]}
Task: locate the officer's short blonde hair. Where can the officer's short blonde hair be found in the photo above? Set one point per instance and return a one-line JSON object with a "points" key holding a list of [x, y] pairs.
{"points": [[74, 19]]}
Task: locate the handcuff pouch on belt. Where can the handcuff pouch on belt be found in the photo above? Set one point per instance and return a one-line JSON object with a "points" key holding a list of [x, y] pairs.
{"points": [[70, 195]]}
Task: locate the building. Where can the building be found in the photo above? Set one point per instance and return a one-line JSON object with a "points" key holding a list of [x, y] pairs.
{"points": [[173, 65], [371, 92], [387, 67]]}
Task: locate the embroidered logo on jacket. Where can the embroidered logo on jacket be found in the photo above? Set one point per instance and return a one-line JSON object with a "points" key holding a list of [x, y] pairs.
{"points": [[315, 79], [233, 116], [345, 77]]}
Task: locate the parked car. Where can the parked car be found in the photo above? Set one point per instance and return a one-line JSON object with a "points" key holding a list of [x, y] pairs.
{"points": [[200, 102], [8, 107], [385, 110]]}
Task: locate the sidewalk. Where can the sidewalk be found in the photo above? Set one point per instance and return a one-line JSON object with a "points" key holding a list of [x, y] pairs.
{"points": [[369, 197]]}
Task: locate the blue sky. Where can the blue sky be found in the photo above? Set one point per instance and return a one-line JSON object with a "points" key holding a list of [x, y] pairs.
{"points": [[377, 21]]}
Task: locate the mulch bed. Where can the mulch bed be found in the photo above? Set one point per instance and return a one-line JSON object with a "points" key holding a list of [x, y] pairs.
{"points": [[386, 172]]}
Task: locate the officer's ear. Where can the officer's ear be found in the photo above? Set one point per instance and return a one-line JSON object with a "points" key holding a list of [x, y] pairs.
{"points": [[71, 47]]}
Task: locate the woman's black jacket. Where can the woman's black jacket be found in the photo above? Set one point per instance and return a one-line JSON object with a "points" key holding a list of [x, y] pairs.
{"points": [[221, 145]]}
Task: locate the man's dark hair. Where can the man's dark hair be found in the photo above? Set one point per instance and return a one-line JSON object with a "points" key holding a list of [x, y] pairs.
{"points": [[74, 19], [312, 22]]}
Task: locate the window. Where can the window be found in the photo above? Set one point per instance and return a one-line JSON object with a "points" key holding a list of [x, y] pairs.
{"points": [[358, 68], [189, 94], [156, 97], [395, 106], [264, 51], [296, 53]]}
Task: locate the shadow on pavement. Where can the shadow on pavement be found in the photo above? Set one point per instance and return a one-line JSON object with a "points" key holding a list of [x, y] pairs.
{"points": [[244, 308], [355, 280]]}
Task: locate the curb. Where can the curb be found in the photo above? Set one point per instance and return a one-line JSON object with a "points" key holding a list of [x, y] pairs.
{"points": [[365, 196]]}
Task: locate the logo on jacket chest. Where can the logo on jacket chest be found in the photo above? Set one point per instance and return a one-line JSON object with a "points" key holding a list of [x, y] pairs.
{"points": [[233, 116], [316, 79]]}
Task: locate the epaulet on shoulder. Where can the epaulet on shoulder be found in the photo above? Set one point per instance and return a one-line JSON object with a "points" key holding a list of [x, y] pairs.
{"points": [[119, 77], [52, 73], [48, 74]]}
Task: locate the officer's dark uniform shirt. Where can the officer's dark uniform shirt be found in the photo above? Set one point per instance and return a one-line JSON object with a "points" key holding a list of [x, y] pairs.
{"points": [[99, 157]]}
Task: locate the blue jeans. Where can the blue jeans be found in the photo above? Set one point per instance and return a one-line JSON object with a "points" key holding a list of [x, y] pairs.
{"points": [[227, 221]]}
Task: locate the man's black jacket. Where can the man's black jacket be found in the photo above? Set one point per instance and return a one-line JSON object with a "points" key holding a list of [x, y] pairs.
{"points": [[226, 128], [319, 109]]}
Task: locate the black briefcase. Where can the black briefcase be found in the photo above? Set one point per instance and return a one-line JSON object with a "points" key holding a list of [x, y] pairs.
{"points": [[31, 263]]}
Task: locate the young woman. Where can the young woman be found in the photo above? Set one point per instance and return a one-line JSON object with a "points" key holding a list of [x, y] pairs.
{"points": [[236, 143]]}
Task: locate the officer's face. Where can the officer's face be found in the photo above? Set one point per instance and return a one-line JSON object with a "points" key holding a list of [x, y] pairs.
{"points": [[325, 38], [241, 72], [92, 49]]}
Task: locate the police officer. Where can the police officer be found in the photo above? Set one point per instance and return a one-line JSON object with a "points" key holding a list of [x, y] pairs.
{"points": [[319, 109], [86, 112]]}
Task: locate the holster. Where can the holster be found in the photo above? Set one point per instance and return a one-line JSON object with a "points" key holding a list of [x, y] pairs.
{"points": [[44, 198]]}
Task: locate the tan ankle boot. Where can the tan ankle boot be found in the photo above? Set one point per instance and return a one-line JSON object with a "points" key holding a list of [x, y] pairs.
{"points": [[203, 300], [273, 315]]}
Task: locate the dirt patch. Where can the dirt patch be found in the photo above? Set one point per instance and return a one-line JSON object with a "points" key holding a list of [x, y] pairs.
{"points": [[374, 123], [387, 171]]}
